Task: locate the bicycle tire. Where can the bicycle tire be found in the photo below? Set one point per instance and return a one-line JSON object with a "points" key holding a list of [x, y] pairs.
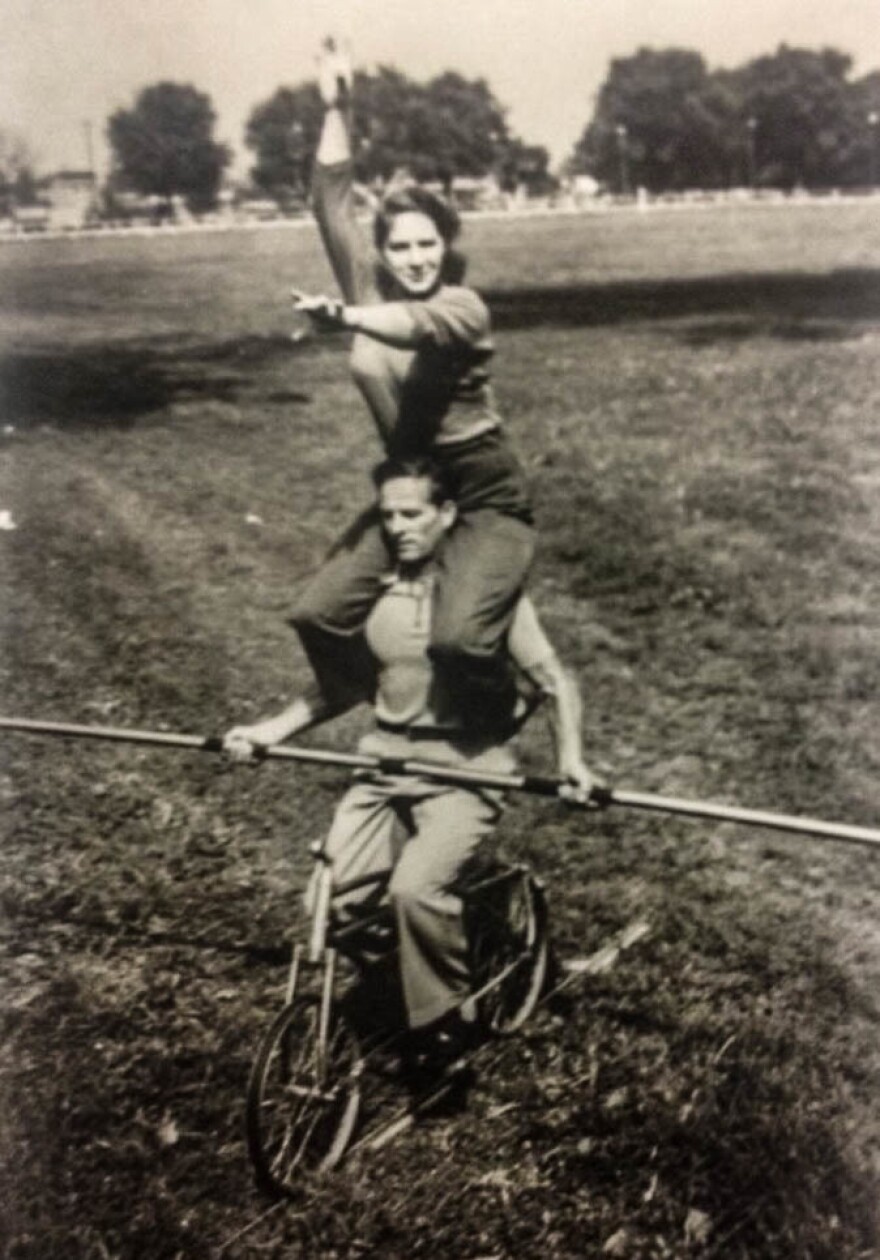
{"points": [[509, 951], [300, 1119]]}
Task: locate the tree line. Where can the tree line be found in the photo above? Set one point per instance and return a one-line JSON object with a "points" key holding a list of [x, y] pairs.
{"points": [[449, 127], [663, 121]]}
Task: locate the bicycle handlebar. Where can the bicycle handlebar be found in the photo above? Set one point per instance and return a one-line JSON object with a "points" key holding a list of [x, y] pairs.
{"points": [[535, 785]]}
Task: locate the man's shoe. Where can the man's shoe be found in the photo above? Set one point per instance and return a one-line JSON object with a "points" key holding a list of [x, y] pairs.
{"points": [[433, 1050]]}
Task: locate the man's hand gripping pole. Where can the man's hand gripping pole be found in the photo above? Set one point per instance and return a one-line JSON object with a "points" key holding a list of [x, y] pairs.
{"points": [[601, 797]]}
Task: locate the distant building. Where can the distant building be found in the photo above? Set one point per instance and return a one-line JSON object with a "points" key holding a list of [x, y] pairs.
{"points": [[30, 218], [477, 194], [258, 210], [69, 197], [141, 209], [584, 187], [471, 193]]}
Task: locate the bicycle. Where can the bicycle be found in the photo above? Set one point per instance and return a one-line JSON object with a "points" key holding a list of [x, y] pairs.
{"points": [[317, 1061], [338, 1089]]}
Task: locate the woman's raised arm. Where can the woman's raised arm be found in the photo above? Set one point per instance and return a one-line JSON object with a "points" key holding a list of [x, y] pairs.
{"points": [[332, 182], [334, 83]]}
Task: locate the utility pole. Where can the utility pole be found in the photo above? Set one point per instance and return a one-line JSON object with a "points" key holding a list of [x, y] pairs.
{"points": [[623, 157], [752, 127], [90, 152]]}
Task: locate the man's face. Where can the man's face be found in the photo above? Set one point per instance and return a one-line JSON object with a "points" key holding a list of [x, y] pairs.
{"points": [[414, 252], [413, 524]]}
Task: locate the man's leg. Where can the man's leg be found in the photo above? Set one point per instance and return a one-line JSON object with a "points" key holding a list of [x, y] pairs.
{"points": [[361, 841], [450, 824]]}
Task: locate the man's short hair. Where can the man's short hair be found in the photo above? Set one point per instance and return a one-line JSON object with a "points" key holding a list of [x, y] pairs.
{"points": [[420, 467]]}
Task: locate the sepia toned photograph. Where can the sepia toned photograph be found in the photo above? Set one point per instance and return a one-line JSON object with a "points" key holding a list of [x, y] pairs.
{"points": [[439, 630]]}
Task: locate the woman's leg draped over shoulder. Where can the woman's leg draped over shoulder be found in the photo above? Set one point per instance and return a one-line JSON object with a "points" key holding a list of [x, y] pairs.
{"points": [[330, 612], [482, 568]]}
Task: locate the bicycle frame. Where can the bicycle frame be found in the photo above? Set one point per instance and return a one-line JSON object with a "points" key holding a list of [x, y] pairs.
{"points": [[325, 1052], [325, 939]]}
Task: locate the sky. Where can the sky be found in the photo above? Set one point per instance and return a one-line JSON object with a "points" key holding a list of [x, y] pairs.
{"points": [[66, 65]]}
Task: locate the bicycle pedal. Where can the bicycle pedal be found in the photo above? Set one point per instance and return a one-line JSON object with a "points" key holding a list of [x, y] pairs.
{"points": [[443, 1094]]}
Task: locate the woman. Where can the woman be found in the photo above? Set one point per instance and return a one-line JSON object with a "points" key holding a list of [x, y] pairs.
{"points": [[420, 355]]}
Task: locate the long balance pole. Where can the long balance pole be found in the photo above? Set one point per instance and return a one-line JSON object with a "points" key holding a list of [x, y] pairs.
{"points": [[536, 785]]}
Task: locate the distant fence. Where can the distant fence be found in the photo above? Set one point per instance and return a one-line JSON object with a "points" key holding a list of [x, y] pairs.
{"points": [[562, 205]]}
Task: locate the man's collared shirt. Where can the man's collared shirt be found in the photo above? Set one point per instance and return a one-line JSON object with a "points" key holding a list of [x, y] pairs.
{"points": [[409, 692]]}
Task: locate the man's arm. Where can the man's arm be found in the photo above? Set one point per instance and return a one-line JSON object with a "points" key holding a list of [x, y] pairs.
{"points": [[535, 655], [555, 681], [309, 709]]}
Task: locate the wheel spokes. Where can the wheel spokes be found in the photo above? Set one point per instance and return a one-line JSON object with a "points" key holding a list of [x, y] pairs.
{"points": [[303, 1097]]}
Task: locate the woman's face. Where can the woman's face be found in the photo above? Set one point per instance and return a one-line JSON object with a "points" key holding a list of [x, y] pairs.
{"points": [[414, 252]]}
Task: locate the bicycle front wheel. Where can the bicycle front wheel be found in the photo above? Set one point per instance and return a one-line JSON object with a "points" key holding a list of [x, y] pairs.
{"points": [[303, 1095]]}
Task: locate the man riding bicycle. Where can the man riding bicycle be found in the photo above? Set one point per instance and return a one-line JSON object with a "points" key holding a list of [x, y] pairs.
{"points": [[416, 716]]}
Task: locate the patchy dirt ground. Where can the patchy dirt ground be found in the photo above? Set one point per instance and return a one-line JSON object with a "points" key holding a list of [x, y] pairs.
{"points": [[706, 472]]}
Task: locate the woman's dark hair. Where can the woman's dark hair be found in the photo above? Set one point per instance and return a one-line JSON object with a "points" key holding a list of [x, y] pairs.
{"points": [[416, 199], [422, 468]]}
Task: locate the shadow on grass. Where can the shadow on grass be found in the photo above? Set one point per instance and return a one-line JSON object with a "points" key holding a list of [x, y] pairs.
{"points": [[793, 306], [33, 922], [698, 1087], [715, 1071], [113, 386]]}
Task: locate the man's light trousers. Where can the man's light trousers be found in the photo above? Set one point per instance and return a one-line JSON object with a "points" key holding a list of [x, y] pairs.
{"points": [[427, 832]]}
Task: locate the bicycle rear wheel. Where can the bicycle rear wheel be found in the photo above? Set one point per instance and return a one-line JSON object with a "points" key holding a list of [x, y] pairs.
{"points": [[509, 949], [303, 1099]]}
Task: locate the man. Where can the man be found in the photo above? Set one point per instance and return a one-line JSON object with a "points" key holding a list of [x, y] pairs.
{"points": [[416, 717]]}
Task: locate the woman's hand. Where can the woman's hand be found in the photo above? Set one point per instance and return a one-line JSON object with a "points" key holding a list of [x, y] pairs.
{"points": [[324, 312], [334, 74]]}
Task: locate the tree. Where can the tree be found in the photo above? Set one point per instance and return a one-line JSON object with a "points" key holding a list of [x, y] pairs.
{"points": [[525, 166], [447, 127], [863, 166], [661, 122], [789, 118], [389, 107], [283, 132], [164, 145], [465, 130], [804, 112], [17, 180]]}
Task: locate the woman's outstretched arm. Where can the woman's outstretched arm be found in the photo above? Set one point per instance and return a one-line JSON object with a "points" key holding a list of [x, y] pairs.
{"points": [[453, 315]]}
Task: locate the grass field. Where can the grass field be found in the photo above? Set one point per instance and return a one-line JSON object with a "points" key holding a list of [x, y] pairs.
{"points": [[695, 395]]}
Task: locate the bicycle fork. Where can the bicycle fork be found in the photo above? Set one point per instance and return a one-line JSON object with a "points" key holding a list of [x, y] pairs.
{"points": [[319, 955]]}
